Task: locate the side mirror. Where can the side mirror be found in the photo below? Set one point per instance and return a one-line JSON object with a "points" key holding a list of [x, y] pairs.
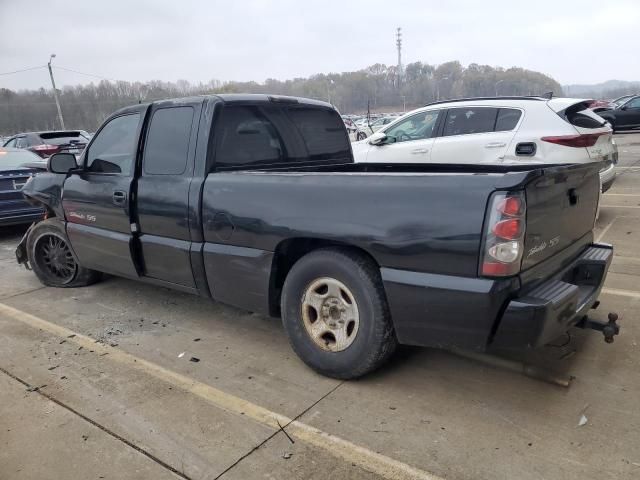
{"points": [[623, 107], [378, 138], [61, 163]]}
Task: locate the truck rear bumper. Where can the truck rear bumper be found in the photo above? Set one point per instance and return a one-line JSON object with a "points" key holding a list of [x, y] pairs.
{"points": [[543, 314], [480, 313]]}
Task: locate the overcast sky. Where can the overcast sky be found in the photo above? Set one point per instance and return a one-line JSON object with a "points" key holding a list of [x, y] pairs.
{"points": [[581, 41]]}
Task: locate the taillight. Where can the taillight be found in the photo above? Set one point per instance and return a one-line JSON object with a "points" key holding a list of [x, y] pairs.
{"points": [[45, 150], [504, 235], [577, 141]]}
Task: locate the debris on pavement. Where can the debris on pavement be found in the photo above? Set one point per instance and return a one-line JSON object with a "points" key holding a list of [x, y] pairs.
{"points": [[583, 421], [180, 355], [287, 455], [196, 339], [194, 359]]}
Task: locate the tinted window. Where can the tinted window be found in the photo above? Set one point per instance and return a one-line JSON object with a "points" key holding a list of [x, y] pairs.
{"points": [[507, 119], [246, 136], [635, 103], [62, 138], [168, 141], [462, 121], [322, 131], [416, 127], [22, 142], [114, 147]]}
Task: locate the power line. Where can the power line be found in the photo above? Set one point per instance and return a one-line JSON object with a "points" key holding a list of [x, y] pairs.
{"points": [[23, 70], [86, 74]]}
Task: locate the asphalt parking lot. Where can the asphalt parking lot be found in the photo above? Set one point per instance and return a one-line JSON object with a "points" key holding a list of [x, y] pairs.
{"points": [[122, 380]]}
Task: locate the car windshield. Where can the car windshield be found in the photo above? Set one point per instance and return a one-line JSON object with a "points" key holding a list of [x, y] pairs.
{"points": [[10, 160]]}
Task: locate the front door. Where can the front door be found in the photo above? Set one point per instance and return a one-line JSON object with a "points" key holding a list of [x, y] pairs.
{"points": [[97, 200], [408, 141]]}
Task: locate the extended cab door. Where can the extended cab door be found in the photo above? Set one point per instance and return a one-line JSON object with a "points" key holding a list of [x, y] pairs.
{"points": [[97, 200], [475, 135], [408, 141], [163, 184]]}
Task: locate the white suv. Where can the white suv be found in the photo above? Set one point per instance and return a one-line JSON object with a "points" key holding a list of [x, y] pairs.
{"points": [[495, 130]]}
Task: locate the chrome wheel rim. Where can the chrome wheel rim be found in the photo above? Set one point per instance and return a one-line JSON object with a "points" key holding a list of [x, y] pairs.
{"points": [[330, 314]]}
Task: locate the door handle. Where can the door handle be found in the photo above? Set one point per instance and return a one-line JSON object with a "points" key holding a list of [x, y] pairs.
{"points": [[119, 197], [495, 145], [420, 151]]}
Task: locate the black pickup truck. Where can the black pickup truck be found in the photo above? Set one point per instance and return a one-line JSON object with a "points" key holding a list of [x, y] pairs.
{"points": [[255, 201]]}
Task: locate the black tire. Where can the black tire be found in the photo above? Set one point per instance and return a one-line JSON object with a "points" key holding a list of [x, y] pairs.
{"points": [[52, 259], [361, 136], [375, 339]]}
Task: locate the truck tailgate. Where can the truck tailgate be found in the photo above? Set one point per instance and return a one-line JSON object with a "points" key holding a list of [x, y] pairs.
{"points": [[561, 208]]}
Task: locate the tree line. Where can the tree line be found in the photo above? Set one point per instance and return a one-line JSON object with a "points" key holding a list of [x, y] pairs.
{"points": [[378, 88]]}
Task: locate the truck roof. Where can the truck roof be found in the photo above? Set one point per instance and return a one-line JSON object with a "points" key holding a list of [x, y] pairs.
{"points": [[231, 98]]}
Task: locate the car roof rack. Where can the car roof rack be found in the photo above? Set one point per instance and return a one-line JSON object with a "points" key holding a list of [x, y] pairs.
{"points": [[472, 99]]}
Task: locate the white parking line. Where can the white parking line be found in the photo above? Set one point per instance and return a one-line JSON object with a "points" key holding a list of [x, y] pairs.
{"points": [[343, 449], [606, 229], [621, 194], [622, 293]]}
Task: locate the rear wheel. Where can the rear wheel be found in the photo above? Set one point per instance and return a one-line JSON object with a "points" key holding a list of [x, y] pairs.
{"points": [[52, 259], [361, 136], [335, 313]]}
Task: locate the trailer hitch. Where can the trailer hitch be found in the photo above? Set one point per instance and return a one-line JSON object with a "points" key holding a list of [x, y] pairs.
{"points": [[609, 329]]}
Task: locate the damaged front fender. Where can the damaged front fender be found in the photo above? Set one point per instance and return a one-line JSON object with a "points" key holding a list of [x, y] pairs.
{"points": [[46, 189]]}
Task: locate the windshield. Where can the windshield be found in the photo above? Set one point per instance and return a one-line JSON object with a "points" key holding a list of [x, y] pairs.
{"points": [[10, 160]]}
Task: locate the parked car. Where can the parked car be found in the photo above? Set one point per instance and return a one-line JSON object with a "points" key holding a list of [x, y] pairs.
{"points": [[625, 116], [46, 144], [500, 130], [16, 167], [355, 132], [255, 201]]}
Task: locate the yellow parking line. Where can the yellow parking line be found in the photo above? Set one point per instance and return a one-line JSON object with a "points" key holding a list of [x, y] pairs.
{"points": [[338, 447], [622, 293]]}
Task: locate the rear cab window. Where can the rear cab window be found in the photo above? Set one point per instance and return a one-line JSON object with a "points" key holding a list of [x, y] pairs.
{"points": [[264, 135]]}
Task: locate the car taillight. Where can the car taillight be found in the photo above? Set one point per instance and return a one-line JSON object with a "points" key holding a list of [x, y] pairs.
{"points": [[45, 150], [577, 141], [504, 235]]}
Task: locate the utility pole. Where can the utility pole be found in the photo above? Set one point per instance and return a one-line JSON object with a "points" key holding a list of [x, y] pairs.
{"points": [[55, 91], [399, 45]]}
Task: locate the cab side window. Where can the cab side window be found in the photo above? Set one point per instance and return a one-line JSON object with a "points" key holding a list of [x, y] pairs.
{"points": [[114, 148], [167, 144]]}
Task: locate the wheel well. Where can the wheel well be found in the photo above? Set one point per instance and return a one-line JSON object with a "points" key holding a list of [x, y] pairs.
{"points": [[287, 253]]}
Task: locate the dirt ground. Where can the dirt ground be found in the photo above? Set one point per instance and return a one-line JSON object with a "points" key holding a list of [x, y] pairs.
{"points": [[122, 380]]}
